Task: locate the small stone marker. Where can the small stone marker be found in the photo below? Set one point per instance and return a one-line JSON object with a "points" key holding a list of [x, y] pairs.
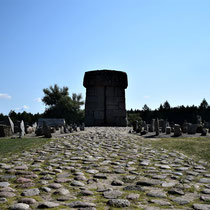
{"points": [[22, 129], [177, 130]]}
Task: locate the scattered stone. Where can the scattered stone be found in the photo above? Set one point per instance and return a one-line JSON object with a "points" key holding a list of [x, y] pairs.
{"points": [[31, 192], [4, 184], [77, 183], [112, 194], [48, 204], [118, 203], [176, 191], [77, 204], [157, 194], [27, 200], [117, 183], [86, 192], [161, 202], [134, 188], [201, 206], [100, 176], [20, 206], [7, 194], [148, 182], [181, 201], [205, 180], [132, 196]]}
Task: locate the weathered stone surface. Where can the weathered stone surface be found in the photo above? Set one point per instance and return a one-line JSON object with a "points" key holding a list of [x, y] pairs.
{"points": [[118, 203], [105, 98], [48, 204], [169, 180], [31, 192], [112, 194], [7, 194], [27, 200], [157, 194], [4, 184], [201, 206], [77, 204], [20, 206], [132, 196]]}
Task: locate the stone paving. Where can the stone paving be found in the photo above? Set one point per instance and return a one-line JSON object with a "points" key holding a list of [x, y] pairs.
{"points": [[102, 168]]}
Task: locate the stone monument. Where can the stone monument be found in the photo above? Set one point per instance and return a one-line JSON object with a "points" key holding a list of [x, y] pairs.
{"points": [[105, 98]]}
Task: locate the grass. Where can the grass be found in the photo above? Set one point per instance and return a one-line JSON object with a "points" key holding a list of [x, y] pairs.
{"points": [[14, 146], [199, 148]]}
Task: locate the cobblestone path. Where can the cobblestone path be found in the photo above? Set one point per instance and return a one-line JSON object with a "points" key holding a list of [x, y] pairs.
{"points": [[102, 168]]}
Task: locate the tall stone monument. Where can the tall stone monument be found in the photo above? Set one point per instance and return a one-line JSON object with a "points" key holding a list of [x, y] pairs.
{"points": [[105, 98]]}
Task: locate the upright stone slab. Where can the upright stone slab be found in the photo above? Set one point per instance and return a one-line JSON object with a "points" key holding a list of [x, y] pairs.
{"points": [[105, 98]]}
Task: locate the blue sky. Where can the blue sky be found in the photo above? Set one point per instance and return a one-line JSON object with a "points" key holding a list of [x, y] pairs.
{"points": [[163, 45]]}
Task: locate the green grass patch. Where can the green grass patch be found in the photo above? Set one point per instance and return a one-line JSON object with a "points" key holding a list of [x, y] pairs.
{"points": [[199, 148], [14, 146]]}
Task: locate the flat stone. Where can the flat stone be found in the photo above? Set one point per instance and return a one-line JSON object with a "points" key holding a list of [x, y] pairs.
{"points": [[100, 176], [206, 191], [4, 184], [46, 189], [134, 188], [205, 198], [31, 192], [23, 180], [27, 200], [201, 206], [20, 206], [161, 202], [181, 201], [204, 180], [77, 204], [112, 194], [48, 204], [157, 194], [118, 203], [150, 182], [117, 183], [55, 186], [23, 167], [3, 200], [86, 192], [176, 191], [7, 194], [168, 184], [61, 191], [144, 163], [92, 171], [77, 183], [62, 180], [133, 196], [7, 189]]}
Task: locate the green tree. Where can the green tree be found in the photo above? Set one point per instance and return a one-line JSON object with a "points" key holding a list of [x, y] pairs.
{"points": [[204, 104], [166, 106], [61, 105]]}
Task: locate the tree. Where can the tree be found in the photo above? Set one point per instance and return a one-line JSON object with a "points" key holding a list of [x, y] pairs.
{"points": [[204, 104], [166, 105], [61, 105], [145, 108], [54, 94]]}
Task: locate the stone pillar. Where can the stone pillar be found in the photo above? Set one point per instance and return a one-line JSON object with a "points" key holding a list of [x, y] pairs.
{"points": [[105, 98]]}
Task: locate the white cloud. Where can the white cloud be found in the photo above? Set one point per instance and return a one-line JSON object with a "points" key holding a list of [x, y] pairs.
{"points": [[146, 97], [25, 107], [5, 96], [39, 100]]}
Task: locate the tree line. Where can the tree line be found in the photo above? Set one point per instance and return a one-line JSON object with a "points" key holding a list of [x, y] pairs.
{"points": [[178, 114], [59, 104]]}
